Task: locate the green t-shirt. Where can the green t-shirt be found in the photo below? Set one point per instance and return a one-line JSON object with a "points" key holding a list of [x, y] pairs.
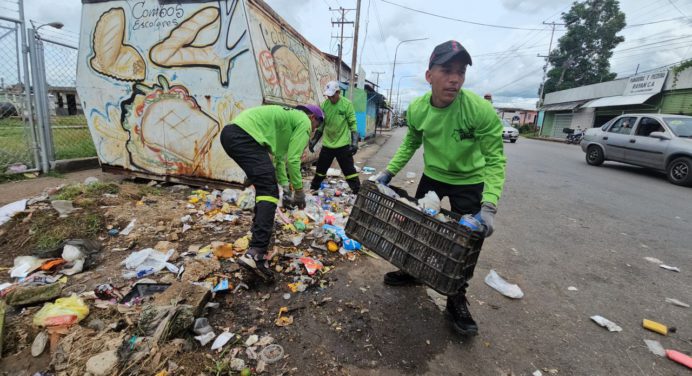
{"points": [[339, 122], [462, 143], [284, 131]]}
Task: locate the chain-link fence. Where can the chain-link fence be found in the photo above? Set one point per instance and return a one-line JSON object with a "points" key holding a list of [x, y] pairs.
{"points": [[69, 130], [18, 148]]}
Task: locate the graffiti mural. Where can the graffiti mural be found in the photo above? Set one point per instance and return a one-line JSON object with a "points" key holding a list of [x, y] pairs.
{"points": [[196, 42], [168, 131], [323, 71], [283, 60], [159, 80], [112, 57]]}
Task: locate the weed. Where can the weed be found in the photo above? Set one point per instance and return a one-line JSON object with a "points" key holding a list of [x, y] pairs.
{"points": [[92, 190], [70, 192], [220, 365], [146, 190], [48, 232]]}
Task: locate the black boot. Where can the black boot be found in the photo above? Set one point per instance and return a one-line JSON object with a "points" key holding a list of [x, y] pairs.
{"points": [[354, 184], [463, 323], [400, 278], [254, 261]]}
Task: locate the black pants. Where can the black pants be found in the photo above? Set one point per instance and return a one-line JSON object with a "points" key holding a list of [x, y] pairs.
{"points": [[254, 159], [345, 159], [464, 199]]}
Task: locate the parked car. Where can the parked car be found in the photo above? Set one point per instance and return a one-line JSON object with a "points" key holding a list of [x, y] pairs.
{"points": [[509, 132], [7, 109], [659, 141]]}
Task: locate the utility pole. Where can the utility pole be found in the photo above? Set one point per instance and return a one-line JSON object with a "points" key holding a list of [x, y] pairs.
{"points": [[341, 21], [547, 57], [354, 59], [377, 80]]}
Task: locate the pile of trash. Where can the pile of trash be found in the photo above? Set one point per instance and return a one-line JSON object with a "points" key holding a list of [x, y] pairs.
{"points": [[155, 301]]}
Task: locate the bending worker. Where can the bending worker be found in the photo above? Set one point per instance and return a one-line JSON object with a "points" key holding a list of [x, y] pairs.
{"points": [[253, 137]]}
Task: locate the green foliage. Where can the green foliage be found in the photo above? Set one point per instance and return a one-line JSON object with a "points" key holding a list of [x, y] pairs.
{"points": [[47, 232], [89, 191], [583, 53], [146, 190], [679, 69]]}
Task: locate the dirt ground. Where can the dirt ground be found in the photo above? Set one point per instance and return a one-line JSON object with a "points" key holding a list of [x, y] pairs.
{"points": [[332, 320]]}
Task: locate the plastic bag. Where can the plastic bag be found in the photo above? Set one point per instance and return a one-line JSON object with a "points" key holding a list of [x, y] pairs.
{"points": [[246, 199], [65, 311], [25, 265], [147, 261], [505, 288], [430, 203]]}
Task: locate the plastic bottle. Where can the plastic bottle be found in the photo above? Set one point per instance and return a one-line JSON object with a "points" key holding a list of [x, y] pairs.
{"points": [[471, 222]]}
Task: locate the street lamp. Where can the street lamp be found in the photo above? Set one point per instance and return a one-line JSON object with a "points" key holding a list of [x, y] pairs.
{"points": [[391, 85], [398, 87], [55, 25]]}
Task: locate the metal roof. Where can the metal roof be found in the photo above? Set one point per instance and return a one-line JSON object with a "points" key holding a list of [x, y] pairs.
{"points": [[562, 106], [619, 100]]}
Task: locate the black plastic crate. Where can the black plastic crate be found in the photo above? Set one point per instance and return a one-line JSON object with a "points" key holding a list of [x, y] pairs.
{"points": [[442, 255]]}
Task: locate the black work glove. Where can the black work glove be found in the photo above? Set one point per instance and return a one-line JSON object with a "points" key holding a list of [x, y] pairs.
{"points": [[354, 143], [299, 199], [313, 142], [287, 196]]}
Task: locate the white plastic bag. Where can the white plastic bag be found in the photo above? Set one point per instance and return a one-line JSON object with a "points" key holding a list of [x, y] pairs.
{"points": [[604, 322], [503, 287], [430, 203], [246, 200], [147, 261]]}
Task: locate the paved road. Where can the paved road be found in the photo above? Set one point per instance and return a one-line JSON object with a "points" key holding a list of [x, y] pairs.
{"points": [[563, 223]]}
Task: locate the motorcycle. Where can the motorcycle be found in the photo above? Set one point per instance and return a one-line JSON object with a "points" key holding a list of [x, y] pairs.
{"points": [[574, 137]]}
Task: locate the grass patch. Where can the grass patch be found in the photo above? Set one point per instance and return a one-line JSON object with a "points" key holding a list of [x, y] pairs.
{"points": [[48, 232], [93, 190], [71, 139], [146, 190]]}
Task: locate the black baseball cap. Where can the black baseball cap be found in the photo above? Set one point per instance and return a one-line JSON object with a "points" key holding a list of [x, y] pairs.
{"points": [[446, 51]]}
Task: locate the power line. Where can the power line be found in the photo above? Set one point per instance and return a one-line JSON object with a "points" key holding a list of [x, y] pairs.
{"points": [[678, 9], [654, 22], [460, 20]]}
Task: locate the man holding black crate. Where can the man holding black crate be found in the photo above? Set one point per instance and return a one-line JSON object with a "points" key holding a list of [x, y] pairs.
{"points": [[463, 155]]}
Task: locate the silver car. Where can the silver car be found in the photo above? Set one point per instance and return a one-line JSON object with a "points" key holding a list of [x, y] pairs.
{"points": [[659, 141], [509, 132]]}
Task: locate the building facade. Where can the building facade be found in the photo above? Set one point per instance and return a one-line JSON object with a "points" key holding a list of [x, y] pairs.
{"points": [[661, 91]]}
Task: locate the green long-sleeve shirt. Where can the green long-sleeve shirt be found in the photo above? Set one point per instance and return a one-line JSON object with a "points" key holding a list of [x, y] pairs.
{"points": [[339, 122], [284, 131], [462, 143]]}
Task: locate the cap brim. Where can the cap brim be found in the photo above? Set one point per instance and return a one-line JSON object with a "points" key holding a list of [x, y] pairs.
{"points": [[329, 93], [463, 54]]}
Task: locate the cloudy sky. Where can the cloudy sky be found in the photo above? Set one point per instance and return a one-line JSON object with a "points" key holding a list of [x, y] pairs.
{"points": [[659, 33]]}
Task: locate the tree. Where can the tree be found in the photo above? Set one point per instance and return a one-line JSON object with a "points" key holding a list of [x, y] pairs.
{"points": [[583, 53]]}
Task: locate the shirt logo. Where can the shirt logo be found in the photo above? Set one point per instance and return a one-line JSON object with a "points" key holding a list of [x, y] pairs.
{"points": [[461, 134]]}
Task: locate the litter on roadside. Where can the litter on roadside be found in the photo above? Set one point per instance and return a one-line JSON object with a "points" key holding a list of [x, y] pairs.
{"points": [[221, 341], [657, 327], [655, 347], [602, 321], [671, 268], [679, 357], [677, 303], [503, 287], [8, 211]]}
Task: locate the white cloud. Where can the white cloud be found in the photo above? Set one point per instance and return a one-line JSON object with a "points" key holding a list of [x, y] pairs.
{"points": [[514, 76]]}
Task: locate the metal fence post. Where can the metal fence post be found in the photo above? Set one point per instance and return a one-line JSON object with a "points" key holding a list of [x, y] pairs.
{"points": [[43, 122], [27, 91]]}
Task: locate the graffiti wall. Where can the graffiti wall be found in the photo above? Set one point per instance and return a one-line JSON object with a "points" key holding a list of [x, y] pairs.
{"points": [[159, 80], [290, 71]]}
